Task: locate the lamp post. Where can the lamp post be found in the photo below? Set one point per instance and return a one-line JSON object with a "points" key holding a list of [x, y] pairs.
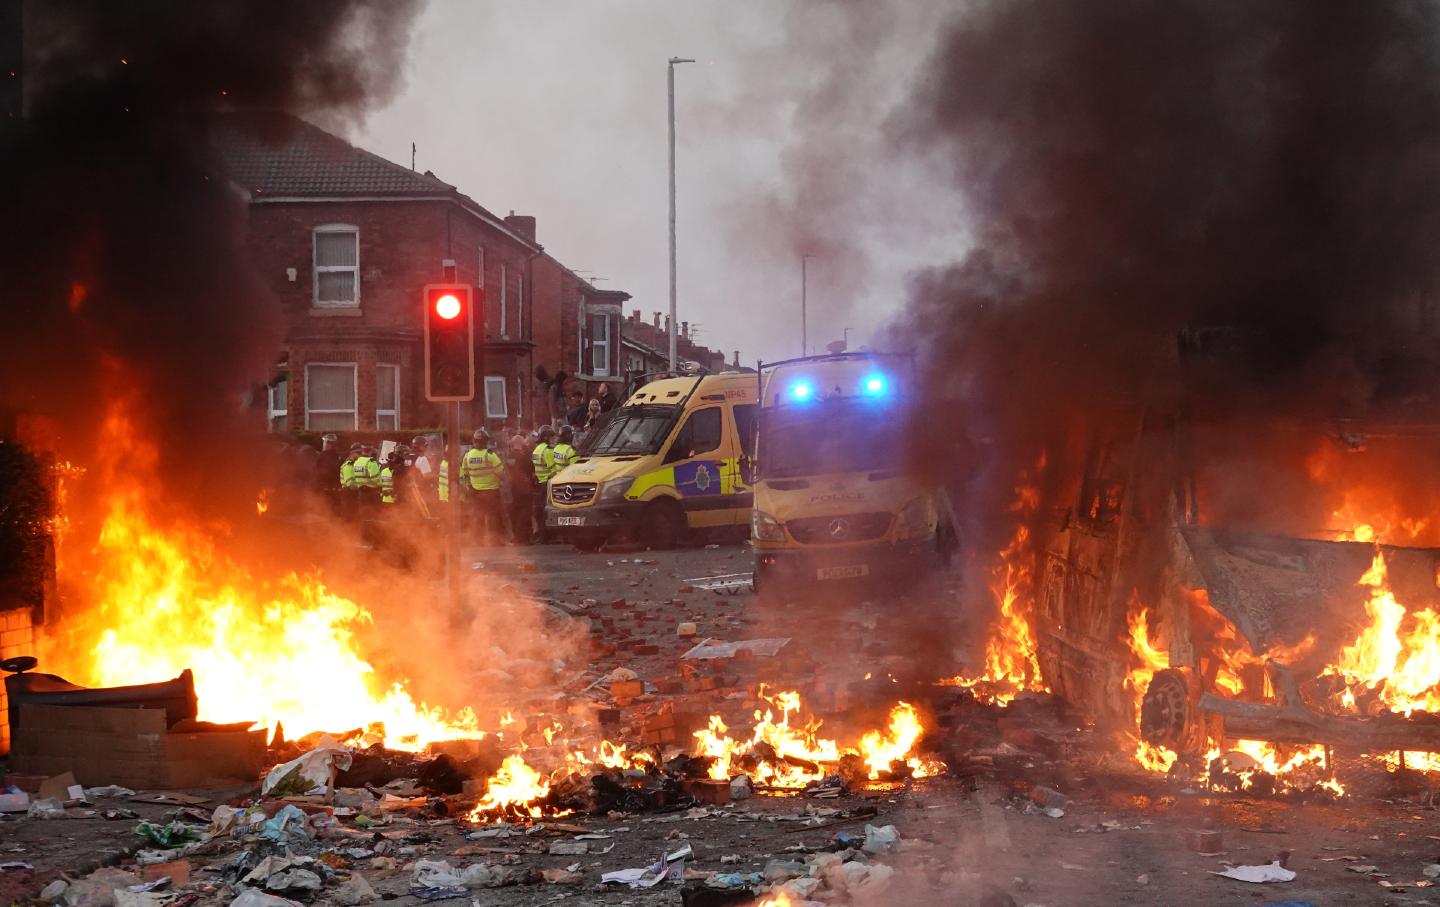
{"points": [[804, 328], [670, 84]]}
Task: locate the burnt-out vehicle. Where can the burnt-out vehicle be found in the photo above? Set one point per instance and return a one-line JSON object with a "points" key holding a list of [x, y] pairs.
{"points": [[1282, 572]]}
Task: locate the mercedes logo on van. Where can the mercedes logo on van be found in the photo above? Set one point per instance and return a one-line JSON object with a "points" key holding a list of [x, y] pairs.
{"points": [[839, 529], [562, 494]]}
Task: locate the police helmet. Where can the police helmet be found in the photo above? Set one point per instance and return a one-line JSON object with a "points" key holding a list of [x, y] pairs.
{"points": [[567, 434]]}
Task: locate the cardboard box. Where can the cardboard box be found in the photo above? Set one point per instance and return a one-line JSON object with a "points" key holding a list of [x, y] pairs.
{"points": [[132, 748]]}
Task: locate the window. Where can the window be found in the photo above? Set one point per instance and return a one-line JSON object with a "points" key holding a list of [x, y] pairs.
{"points": [[495, 397], [337, 265], [504, 280], [745, 427], [387, 398], [520, 306], [330, 397], [600, 345], [278, 401], [480, 270], [699, 435]]}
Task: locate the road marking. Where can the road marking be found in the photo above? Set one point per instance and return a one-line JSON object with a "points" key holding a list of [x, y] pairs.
{"points": [[720, 581]]}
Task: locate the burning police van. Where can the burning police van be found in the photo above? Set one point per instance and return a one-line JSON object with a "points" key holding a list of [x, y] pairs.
{"points": [[833, 499]]}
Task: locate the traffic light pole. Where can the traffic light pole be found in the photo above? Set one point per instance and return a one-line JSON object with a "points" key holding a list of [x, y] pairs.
{"points": [[452, 543]]}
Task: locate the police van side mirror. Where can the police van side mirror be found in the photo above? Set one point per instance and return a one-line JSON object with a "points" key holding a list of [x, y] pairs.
{"points": [[747, 470]]}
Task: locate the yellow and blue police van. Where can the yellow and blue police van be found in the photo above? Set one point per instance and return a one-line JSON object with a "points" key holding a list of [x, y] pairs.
{"points": [[668, 462], [834, 500]]}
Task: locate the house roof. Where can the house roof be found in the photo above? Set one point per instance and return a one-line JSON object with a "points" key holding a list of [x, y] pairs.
{"points": [[280, 156], [277, 154]]}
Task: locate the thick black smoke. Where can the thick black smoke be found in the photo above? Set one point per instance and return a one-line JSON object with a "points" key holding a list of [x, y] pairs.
{"points": [[1138, 171], [122, 264]]}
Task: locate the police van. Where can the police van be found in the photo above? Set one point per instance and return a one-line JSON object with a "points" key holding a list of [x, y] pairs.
{"points": [[833, 498], [668, 462]]}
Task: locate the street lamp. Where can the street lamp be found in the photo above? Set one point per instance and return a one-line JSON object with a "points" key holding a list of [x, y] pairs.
{"points": [[670, 82], [804, 331]]}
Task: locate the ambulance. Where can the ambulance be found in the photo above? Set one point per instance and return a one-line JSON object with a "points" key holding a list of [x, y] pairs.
{"points": [[667, 464], [833, 500]]}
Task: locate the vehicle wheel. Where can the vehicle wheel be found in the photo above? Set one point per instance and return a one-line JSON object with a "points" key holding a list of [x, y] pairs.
{"points": [[1165, 710], [662, 524], [587, 542]]}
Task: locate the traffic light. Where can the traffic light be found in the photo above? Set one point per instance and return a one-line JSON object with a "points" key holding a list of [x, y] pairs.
{"points": [[449, 342]]}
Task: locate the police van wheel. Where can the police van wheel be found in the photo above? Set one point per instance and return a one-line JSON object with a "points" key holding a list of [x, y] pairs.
{"points": [[662, 524]]}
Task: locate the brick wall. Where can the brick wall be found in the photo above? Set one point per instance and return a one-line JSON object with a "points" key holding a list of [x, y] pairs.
{"points": [[402, 246], [17, 637]]}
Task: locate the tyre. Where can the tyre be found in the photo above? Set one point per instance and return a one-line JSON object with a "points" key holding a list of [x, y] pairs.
{"points": [[662, 524]]}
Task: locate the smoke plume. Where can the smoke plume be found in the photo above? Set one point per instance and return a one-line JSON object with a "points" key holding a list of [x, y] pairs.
{"points": [[1139, 173]]}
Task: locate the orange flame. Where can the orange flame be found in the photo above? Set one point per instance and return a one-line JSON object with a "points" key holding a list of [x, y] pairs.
{"points": [[262, 502], [1012, 662], [269, 650]]}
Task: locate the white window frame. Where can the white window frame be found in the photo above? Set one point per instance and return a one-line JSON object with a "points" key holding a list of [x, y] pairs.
{"points": [[271, 412], [316, 270], [580, 329], [355, 393], [504, 404], [387, 412], [480, 272], [595, 343], [520, 306], [504, 302]]}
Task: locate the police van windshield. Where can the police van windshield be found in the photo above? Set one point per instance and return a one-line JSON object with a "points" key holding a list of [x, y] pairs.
{"points": [[829, 439], [635, 430]]}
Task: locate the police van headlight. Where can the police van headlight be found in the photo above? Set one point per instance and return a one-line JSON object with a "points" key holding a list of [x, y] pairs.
{"points": [[765, 528], [614, 490], [915, 518]]}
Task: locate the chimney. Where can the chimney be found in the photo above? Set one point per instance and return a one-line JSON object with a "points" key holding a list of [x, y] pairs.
{"points": [[657, 321], [685, 329], [635, 316], [737, 358], [524, 224]]}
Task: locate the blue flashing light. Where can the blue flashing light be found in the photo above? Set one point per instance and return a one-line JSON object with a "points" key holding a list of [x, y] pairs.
{"points": [[801, 390], [874, 385]]}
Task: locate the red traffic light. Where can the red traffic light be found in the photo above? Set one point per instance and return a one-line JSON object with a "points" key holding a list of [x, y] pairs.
{"points": [[447, 306]]}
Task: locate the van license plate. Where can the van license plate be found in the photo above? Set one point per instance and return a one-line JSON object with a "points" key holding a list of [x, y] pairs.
{"points": [[571, 521], [842, 572]]}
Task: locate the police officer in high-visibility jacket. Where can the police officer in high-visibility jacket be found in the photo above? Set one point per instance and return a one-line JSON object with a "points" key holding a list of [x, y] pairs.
{"points": [[564, 452], [542, 462], [349, 491], [481, 469], [444, 481], [367, 477]]}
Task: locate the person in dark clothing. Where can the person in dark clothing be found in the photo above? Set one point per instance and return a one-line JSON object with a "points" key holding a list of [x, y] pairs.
{"points": [[327, 471], [607, 400], [576, 415], [520, 478]]}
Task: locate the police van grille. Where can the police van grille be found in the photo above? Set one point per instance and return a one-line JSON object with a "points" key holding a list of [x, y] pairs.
{"points": [[836, 530], [573, 492]]}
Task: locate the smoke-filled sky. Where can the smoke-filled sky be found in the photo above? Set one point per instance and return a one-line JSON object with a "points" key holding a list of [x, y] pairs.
{"points": [[558, 110]]}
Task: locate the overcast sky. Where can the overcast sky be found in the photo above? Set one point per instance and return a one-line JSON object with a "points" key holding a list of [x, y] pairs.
{"points": [[557, 110]]}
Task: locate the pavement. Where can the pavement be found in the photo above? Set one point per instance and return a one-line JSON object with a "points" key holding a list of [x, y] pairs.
{"points": [[974, 835]]}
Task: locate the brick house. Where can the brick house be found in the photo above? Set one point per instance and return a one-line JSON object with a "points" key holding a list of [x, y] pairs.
{"points": [[577, 327], [347, 239]]}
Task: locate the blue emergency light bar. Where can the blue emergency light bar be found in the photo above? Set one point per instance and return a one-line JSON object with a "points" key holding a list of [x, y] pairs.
{"points": [[874, 385], [801, 390]]}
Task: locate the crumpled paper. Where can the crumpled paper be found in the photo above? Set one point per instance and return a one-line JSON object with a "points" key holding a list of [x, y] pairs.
{"points": [[309, 772], [1272, 872]]}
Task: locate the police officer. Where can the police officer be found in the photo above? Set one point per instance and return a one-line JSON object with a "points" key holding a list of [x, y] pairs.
{"points": [[481, 469], [349, 489], [564, 452], [542, 462], [367, 478], [392, 474]]}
